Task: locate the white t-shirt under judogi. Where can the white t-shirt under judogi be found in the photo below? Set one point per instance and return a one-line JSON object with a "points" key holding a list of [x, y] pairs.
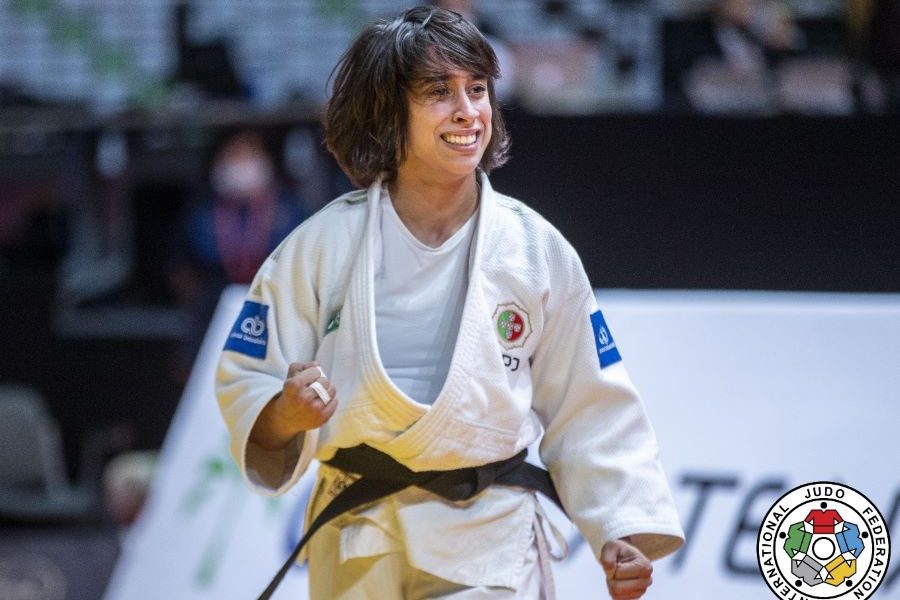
{"points": [[419, 296]]}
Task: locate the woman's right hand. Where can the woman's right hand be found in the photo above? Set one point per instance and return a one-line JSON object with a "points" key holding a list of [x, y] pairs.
{"points": [[307, 400]]}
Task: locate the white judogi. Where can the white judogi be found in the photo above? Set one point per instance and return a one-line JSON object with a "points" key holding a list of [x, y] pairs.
{"points": [[526, 358]]}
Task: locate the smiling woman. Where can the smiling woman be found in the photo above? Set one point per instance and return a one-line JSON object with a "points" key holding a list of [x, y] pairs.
{"points": [[452, 113], [455, 325], [366, 120]]}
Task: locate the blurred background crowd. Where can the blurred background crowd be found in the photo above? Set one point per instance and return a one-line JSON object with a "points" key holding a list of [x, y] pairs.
{"points": [[153, 152]]}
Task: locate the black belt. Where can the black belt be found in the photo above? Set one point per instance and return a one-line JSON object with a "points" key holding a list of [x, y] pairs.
{"points": [[382, 476]]}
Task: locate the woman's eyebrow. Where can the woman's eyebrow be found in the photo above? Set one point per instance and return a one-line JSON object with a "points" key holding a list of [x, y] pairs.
{"points": [[443, 78], [434, 77]]}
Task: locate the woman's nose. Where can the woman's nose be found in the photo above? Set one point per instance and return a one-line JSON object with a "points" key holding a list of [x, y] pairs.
{"points": [[465, 109]]}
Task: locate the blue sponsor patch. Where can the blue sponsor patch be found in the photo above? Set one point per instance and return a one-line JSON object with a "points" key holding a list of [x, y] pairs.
{"points": [[250, 333], [606, 347]]}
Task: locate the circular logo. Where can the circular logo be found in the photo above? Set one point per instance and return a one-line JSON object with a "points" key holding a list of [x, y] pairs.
{"points": [[510, 325], [823, 540]]}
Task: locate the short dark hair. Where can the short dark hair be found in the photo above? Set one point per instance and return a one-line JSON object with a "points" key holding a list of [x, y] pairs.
{"points": [[366, 117]]}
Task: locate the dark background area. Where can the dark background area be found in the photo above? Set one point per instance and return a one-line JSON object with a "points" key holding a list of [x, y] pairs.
{"points": [[788, 203]]}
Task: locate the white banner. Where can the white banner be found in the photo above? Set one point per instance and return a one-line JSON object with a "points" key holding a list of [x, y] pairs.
{"points": [[751, 394]]}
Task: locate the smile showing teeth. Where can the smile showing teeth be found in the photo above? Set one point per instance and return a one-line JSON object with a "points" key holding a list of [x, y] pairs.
{"points": [[460, 140]]}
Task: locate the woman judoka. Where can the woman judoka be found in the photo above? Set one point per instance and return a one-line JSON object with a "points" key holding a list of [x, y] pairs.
{"points": [[429, 324]]}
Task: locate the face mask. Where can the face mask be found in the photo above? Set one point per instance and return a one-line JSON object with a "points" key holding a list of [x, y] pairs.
{"points": [[241, 177]]}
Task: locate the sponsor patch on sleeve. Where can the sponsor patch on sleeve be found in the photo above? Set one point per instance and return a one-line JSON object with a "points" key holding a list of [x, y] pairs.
{"points": [[606, 346], [250, 334]]}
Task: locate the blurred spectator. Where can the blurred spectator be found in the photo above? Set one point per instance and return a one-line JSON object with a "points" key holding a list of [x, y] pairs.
{"points": [[762, 63], [228, 232], [752, 26], [874, 27], [749, 36], [126, 482]]}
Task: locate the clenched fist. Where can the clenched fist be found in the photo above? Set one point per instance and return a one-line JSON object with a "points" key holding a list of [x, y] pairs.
{"points": [[307, 400], [628, 571]]}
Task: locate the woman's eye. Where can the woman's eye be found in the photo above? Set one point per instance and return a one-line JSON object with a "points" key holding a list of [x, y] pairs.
{"points": [[440, 92]]}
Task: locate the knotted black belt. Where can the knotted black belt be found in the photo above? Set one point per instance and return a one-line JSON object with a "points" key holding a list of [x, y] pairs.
{"points": [[381, 476]]}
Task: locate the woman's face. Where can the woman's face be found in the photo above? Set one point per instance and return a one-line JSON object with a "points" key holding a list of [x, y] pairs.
{"points": [[449, 127]]}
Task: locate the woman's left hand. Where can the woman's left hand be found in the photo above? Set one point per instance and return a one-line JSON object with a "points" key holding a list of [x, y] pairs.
{"points": [[628, 571]]}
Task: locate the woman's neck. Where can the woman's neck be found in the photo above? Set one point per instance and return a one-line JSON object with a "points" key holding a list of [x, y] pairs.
{"points": [[431, 211]]}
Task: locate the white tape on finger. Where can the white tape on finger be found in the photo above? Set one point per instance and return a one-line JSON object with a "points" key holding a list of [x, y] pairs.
{"points": [[320, 391]]}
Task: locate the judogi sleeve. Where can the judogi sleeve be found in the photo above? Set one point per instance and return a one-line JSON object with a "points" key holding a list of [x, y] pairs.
{"points": [[276, 326], [598, 445]]}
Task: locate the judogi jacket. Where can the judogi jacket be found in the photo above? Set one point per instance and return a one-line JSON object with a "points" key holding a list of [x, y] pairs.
{"points": [[532, 355]]}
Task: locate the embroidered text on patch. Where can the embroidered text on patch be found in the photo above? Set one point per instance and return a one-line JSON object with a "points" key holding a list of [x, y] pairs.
{"points": [[606, 346], [250, 333]]}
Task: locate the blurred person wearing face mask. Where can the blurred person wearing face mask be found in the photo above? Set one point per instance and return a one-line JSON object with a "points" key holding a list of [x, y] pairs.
{"points": [[226, 233], [249, 214]]}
